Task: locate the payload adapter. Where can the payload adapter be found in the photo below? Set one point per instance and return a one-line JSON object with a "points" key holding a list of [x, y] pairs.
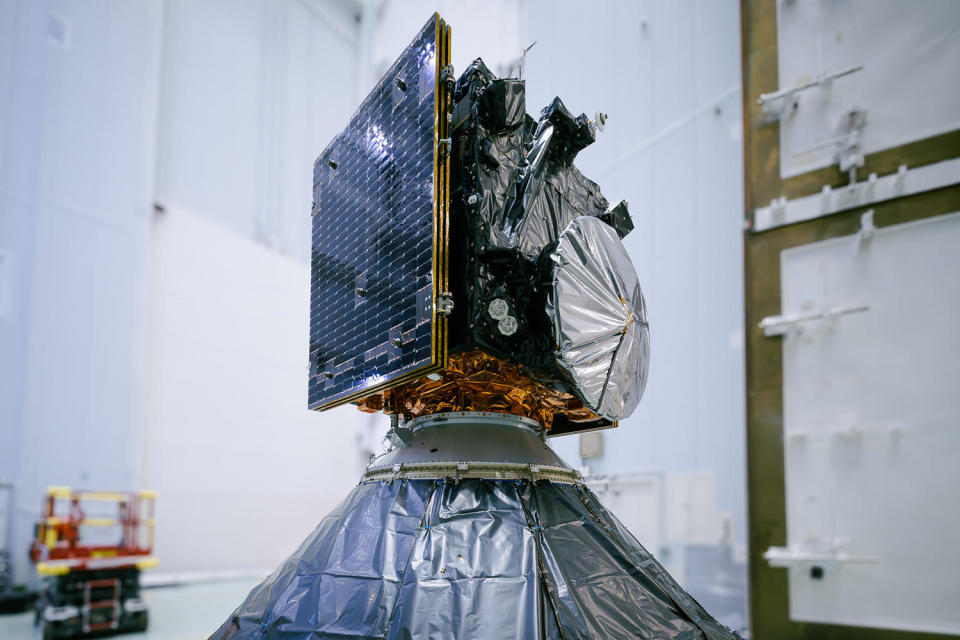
{"points": [[470, 282]]}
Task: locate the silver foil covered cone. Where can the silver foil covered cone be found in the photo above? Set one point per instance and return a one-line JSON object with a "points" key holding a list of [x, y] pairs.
{"points": [[477, 531]]}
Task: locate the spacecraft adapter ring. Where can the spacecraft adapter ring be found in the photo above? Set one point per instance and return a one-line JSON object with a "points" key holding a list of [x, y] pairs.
{"points": [[472, 444], [454, 470]]}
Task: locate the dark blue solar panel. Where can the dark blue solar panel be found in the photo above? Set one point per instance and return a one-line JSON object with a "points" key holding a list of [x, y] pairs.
{"points": [[373, 258]]}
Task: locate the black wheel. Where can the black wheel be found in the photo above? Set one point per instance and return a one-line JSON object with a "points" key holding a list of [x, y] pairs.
{"points": [[140, 621], [45, 631]]}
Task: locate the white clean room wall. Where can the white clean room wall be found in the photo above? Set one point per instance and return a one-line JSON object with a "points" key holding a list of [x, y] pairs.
{"points": [[243, 470], [870, 435], [22, 68], [492, 29], [77, 180], [252, 92]]}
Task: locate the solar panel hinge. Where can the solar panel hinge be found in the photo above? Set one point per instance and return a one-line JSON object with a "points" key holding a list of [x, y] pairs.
{"points": [[445, 304], [446, 144], [447, 78]]}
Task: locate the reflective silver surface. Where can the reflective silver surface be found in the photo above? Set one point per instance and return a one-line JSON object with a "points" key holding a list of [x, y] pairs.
{"points": [[600, 318], [473, 558]]}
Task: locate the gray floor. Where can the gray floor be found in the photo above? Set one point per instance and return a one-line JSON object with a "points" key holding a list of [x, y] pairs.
{"points": [[176, 613]]}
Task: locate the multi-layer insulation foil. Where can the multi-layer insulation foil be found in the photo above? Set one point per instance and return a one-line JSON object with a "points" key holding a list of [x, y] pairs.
{"points": [[446, 559], [600, 319], [518, 193]]}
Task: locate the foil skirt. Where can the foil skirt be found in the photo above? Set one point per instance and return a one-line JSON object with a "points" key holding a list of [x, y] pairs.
{"points": [[470, 558]]}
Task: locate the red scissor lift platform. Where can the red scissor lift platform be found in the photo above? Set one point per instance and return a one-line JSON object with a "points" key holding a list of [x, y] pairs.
{"points": [[90, 547]]}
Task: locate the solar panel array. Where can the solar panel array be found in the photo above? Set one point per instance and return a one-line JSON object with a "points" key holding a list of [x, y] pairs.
{"points": [[379, 242]]}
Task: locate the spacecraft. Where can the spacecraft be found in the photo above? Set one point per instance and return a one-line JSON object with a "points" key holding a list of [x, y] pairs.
{"points": [[471, 283]]}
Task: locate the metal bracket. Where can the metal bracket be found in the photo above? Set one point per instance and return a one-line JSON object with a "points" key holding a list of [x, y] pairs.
{"points": [[874, 189], [447, 78], [445, 304], [444, 149], [403, 434], [398, 434], [777, 103], [867, 229], [781, 325], [849, 155], [790, 557]]}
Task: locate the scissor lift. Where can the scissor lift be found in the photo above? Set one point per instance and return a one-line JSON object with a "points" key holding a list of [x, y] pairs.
{"points": [[91, 563]]}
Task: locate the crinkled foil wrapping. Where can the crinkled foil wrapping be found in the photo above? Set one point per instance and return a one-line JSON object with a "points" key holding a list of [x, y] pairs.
{"points": [[600, 318], [478, 559], [477, 381]]}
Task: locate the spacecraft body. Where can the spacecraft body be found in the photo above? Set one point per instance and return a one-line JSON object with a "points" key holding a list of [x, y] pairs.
{"points": [[470, 282]]}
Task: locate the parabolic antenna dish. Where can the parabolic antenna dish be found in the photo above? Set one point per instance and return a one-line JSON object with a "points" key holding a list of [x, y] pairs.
{"points": [[599, 317]]}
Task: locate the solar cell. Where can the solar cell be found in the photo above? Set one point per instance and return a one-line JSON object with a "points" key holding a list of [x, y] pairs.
{"points": [[379, 240]]}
